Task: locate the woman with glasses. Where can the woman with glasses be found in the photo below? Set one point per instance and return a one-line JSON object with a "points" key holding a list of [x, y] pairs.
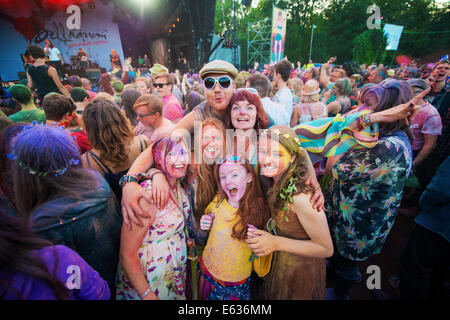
{"points": [[115, 146]]}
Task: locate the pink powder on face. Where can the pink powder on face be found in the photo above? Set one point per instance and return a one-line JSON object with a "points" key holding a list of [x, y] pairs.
{"points": [[233, 181]]}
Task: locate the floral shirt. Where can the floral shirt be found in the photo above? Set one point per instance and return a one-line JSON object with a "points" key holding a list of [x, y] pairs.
{"points": [[365, 194]]}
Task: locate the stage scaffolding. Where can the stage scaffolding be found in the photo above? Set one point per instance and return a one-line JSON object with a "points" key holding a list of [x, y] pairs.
{"points": [[259, 42]]}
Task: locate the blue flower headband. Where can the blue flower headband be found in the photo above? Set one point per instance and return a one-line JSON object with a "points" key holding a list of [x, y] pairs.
{"points": [[56, 173], [72, 162]]}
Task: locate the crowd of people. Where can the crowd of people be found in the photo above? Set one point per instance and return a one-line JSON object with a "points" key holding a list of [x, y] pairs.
{"points": [[268, 183]]}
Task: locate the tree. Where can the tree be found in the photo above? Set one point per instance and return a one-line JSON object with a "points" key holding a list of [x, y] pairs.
{"points": [[370, 46]]}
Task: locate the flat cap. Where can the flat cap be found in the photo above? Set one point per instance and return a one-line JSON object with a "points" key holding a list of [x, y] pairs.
{"points": [[220, 67]]}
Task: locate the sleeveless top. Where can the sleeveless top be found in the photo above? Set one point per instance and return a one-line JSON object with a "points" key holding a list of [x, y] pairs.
{"points": [[110, 177], [293, 277], [42, 81]]}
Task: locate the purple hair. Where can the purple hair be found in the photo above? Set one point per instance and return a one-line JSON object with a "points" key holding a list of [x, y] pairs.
{"points": [[389, 93], [160, 150], [47, 164]]}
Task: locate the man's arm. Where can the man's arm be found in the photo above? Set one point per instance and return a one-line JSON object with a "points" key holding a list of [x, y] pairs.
{"points": [[187, 123], [428, 146]]}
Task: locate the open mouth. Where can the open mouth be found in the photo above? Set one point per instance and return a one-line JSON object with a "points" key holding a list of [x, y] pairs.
{"points": [[211, 149], [232, 191], [179, 166], [268, 169], [243, 120]]}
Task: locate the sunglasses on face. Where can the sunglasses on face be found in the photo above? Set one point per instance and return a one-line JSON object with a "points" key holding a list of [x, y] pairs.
{"points": [[224, 82], [138, 115], [160, 85]]}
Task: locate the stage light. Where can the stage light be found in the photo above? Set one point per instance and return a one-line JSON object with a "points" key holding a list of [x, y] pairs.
{"points": [[178, 19], [173, 25]]}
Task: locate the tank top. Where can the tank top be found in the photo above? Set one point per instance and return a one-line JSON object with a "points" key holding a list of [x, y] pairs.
{"points": [[110, 177], [42, 81]]}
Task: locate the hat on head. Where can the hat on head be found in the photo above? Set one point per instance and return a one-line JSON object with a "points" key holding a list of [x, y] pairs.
{"points": [[391, 73], [310, 88], [157, 69], [418, 83], [220, 67]]}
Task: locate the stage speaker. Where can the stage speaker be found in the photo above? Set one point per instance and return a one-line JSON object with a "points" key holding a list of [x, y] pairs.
{"points": [[93, 73]]}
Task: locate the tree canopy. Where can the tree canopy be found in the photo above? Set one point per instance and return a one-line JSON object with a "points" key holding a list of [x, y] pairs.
{"points": [[341, 27]]}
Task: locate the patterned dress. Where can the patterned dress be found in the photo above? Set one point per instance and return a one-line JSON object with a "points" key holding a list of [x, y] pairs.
{"points": [[162, 254], [366, 191]]}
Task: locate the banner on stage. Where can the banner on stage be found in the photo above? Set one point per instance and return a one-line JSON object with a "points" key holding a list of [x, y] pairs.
{"points": [[279, 18], [393, 34], [90, 28]]}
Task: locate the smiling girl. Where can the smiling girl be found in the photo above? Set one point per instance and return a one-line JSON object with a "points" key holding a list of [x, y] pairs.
{"points": [[299, 238], [246, 116], [153, 258]]}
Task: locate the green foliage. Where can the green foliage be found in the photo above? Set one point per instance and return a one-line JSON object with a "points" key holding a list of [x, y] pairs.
{"points": [[370, 46], [341, 27]]}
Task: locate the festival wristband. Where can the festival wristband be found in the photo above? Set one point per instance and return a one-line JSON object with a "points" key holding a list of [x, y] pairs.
{"points": [[131, 178], [142, 296]]}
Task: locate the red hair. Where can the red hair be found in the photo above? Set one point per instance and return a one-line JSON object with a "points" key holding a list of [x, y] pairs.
{"points": [[262, 120]]}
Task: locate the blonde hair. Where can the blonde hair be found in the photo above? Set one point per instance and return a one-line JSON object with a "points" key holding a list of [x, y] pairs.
{"points": [[310, 98], [297, 85], [147, 81], [169, 78]]}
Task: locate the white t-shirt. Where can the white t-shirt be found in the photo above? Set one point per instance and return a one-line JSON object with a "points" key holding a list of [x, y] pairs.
{"points": [[53, 54], [276, 112], [284, 97]]}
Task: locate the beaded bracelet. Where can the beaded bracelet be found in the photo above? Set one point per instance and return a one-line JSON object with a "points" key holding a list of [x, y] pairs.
{"points": [[366, 119]]}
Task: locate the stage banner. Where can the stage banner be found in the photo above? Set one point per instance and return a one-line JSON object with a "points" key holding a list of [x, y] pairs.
{"points": [[95, 33], [279, 18], [393, 34]]}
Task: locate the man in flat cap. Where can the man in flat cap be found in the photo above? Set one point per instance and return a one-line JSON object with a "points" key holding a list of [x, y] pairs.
{"points": [[218, 80]]}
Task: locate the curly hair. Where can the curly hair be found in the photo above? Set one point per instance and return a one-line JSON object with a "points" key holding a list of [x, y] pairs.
{"points": [[297, 169], [108, 130], [252, 206]]}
